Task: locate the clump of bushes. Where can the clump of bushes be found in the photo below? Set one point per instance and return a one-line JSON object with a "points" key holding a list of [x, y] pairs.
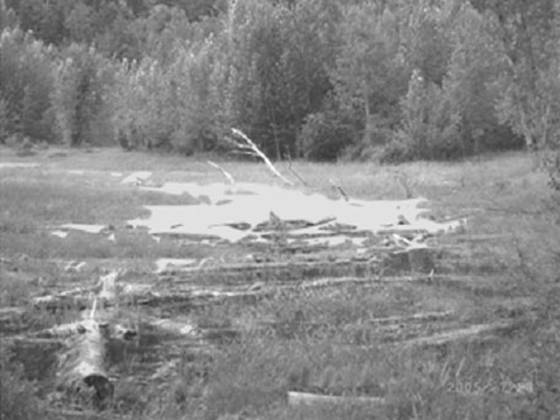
{"points": [[324, 136], [26, 84], [82, 80], [156, 105]]}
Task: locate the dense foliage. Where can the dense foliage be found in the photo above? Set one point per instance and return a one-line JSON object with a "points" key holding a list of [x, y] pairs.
{"points": [[320, 79]]}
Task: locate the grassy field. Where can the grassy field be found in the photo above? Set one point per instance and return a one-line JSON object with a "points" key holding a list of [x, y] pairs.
{"points": [[506, 267]]}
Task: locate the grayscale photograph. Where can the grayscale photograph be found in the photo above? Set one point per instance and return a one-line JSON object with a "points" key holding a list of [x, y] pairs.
{"points": [[279, 209]]}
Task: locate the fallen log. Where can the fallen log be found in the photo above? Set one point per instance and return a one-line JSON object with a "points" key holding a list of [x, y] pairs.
{"points": [[198, 298], [305, 399], [83, 366], [82, 415], [448, 337], [381, 279], [276, 271], [183, 328], [62, 331], [63, 300], [418, 317], [82, 371]]}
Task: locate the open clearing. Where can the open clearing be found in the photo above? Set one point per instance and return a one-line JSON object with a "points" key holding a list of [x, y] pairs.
{"points": [[393, 318]]}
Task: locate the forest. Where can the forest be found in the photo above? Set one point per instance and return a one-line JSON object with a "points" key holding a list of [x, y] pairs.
{"points": [[385, 80]]}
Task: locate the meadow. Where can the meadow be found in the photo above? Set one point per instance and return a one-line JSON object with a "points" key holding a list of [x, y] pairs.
{"points": [[338, 340]]}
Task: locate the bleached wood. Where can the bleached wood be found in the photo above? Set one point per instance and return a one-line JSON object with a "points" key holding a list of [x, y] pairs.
{"points": [[250, 146], [299, 399], [83, 365], [228, 176], [456, 335]]}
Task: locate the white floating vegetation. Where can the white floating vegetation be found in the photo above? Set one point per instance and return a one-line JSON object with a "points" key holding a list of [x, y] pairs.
{"points": [[252, 211], [81, 227], [59, 233], [137, 177], [173, 264], [15, 165]]}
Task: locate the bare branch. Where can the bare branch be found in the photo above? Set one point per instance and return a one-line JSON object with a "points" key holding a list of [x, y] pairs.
{"points": [[339, 189], [250, 145], [293, 171], [299, 399], [229, 177]]}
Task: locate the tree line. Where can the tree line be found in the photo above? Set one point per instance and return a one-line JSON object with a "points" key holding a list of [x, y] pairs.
{"points": [[318, 79]]}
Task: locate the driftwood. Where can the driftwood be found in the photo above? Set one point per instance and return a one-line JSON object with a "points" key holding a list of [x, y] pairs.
{"points": [[82, 371], [418, 317], [198, 298], [339, 189], [305, 399], [296, 174], [277, 271], [83, 415], [228, 176], [175, 327], [448, 337], [379, 279], [83, 365], [247, 145], [80, 297], [138, 294], [72, 299]]}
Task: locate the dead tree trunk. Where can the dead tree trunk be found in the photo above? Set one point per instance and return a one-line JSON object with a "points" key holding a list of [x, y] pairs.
{"points": [[82, 368]]}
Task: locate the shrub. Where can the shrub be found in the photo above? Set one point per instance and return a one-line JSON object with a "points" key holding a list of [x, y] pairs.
{"points": [[83, 78], [399, 149], [324, 136], [430, 127], [26, 83], [166, 105], [143, 112]]}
